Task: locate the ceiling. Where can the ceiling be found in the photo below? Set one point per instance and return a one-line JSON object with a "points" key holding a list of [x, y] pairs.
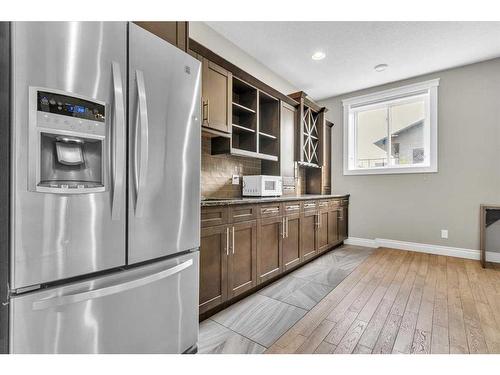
{"points": [[354, 48]]}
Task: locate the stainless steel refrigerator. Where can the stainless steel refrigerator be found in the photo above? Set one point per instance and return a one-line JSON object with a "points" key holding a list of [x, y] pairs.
{"points": [[105, 187]]}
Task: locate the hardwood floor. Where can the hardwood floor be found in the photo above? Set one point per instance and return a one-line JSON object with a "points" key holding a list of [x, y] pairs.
{"points": [[403, 302]]}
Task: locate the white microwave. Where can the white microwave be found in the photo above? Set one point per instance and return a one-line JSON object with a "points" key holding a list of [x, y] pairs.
{"points": [[262, 186]]}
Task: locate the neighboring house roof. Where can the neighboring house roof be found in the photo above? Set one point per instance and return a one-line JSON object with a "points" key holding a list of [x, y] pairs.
{"points": [[413, 126]]}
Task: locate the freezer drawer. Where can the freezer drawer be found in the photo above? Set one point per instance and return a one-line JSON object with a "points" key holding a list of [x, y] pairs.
{"points": [[150, 309]]}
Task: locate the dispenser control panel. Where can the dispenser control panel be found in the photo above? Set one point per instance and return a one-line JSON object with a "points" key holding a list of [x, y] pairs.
{"points": [[58, 111], [70, 106]]}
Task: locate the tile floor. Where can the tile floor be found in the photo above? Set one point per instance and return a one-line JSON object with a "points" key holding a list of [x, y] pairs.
{"points": [[256, 322]]}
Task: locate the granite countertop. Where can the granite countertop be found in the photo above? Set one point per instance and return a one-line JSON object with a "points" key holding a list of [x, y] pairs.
{"points": [[208, 202]]}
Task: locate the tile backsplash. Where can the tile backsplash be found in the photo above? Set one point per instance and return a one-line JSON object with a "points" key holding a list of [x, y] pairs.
{"points": [[217, 170]]}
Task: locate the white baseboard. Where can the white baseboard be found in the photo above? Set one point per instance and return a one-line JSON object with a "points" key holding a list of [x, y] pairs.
{"points": [[356, 241], [423, 248]]}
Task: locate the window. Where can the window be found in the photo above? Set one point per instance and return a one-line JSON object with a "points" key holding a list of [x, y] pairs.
{"points": [[392, 131]]}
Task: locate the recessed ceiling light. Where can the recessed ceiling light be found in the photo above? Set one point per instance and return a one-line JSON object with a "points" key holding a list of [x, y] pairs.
{"points": [[319, 55], [380, 67]]}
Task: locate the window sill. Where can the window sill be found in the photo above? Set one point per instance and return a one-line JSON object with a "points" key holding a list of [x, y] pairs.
{"points": [[375, 171]]}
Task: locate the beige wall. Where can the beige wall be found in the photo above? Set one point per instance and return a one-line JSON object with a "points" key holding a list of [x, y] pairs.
{"points": [[415, 207]]}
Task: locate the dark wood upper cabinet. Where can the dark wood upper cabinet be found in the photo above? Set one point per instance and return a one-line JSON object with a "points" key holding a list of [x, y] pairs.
{"points": [[287, 154], [269, 252], [326, 175], [216, 97], [214, 249], [174, 32], [242, 267], [310, 118]]}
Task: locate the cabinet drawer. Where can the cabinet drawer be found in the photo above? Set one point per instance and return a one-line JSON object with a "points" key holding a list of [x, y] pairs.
{"points": [[270, 209], [291, 208], [335, 203], [241, 213], [212, 216], [309, 205], [324, 205]]}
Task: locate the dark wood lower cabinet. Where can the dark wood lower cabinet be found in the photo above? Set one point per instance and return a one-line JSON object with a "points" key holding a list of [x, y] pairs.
{"points": [[236, 255], [342, 222], [242, 265], [323, 243], [309, 234], [291, 241], [269, 254], [333, 233], [214, 250]]}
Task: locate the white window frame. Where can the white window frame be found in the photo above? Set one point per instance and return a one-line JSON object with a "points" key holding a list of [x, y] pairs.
{"points": [[427, 89]]}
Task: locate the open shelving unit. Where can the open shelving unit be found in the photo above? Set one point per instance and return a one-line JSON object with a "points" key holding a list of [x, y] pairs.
{"points": [[255, 127], [269, 126], [244, 124]]}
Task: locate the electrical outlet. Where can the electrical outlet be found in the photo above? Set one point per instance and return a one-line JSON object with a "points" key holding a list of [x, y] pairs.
{"points": [[444, 233], [236, 179]]}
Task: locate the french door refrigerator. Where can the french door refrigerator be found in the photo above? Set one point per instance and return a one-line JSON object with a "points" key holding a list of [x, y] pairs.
{"points": [[105, 150]]}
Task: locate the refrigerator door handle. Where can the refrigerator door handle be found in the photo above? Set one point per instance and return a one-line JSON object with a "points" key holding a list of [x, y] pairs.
{"points": [[118, 153], [142, 126], [110, 290]]}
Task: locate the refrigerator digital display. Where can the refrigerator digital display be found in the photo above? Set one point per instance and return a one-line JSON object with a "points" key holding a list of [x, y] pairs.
{"points": [[70, 106]]}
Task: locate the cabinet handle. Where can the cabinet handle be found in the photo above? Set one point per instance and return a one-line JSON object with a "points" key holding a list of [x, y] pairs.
{"points": [[283, 231], [286, 227], [294, 207], [232, 246], [227, 241], [206, 104], [270, 210]]}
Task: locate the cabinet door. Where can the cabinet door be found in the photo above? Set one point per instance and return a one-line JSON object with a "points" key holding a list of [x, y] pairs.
{"points": [[174, 32], [269, 254], [322, 224], [242, 267], [309, 234], [291, 241], [216, 97], [287, 145], [214, 249], [342, 223], [333, 235]]}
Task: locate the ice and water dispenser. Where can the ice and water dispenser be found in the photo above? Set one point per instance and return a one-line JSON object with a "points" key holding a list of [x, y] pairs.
{"points": [[67, 143]]}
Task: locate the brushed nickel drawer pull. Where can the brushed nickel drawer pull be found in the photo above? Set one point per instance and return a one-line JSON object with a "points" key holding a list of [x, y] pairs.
{"points": [[270, 210], [233, 242], [294, 207], [227, 241]]}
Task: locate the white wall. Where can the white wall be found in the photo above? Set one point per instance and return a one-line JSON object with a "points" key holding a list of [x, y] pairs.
{"points": [[415, 207], [212, 40]]}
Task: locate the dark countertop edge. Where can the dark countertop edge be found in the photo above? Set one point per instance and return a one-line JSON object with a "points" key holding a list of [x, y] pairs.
{"points": [[255, 200]]}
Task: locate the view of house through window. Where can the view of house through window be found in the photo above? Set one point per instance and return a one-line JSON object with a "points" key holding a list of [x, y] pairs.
{"points": [[404, 123], [390, 135]]}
